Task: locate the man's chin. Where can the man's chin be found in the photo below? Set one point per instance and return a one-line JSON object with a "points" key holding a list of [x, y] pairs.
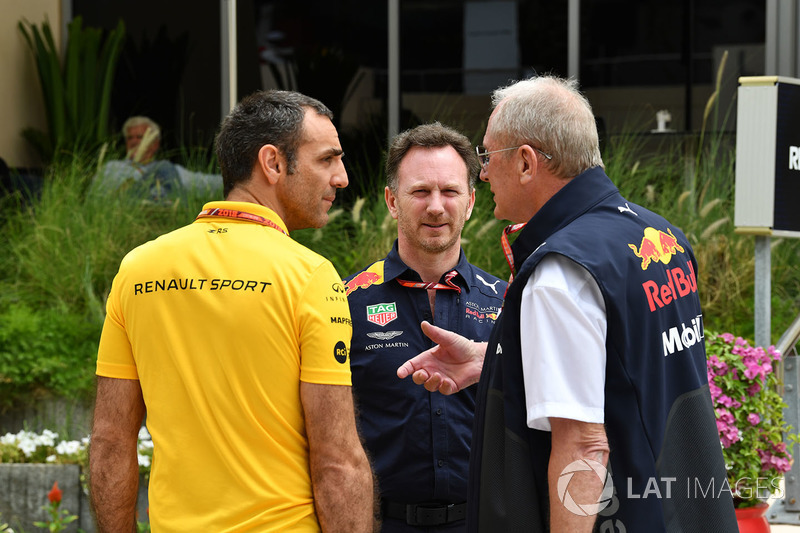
{"points": [[436, 246]]}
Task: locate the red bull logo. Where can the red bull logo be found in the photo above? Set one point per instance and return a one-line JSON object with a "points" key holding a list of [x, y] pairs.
{"points": [[656, 246], [362, 280], [679, 283]]}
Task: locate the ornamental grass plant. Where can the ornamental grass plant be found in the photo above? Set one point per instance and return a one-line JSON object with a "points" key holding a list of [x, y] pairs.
{"points": [[59, 256]]}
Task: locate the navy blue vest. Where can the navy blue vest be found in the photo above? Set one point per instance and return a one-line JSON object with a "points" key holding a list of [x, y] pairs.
{"points": [[666, 461]]}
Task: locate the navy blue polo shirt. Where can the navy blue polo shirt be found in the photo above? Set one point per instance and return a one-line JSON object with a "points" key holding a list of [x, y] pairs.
{"points": [[419, 441]]}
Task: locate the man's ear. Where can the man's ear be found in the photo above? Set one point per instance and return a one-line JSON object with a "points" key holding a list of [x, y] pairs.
{"points": [[391, 202], [528, 163], [272, 163], [471, 203]]}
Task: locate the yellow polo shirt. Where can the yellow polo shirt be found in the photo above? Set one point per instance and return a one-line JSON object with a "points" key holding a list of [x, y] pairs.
{"points": [[220, 321]]}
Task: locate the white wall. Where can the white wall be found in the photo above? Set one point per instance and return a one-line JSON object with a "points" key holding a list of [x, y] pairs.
{"points": [[21, 103]]}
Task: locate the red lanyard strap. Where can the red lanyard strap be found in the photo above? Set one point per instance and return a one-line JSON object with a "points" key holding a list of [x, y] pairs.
{"points": [[239, 215], [448, 283], [507, 247]]}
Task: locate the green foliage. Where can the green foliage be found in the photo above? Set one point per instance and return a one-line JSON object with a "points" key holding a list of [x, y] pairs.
{"points": [[57, 261], [60, 253], [77, 95], [45, 349], [749, 410], [4, 527]]}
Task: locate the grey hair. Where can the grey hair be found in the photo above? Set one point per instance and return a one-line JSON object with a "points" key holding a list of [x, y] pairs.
{"points": [[139, 120], [550, 114], [430, 136], [264, 117]]}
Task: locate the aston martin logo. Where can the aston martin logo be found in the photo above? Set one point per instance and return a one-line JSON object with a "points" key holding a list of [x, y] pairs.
{"points": [[384, 335]]}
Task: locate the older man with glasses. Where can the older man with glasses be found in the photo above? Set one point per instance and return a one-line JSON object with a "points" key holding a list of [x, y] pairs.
{"points": [[593, 404]]}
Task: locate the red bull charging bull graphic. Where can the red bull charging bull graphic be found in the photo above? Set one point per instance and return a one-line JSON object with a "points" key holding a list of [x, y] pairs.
{"points": [[372, 276], [671, 283], [656, 246]]}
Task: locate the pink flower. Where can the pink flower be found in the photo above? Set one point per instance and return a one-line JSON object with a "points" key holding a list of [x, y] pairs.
{"points": [[727, 337], [728, 436], [753, 418], [776, 355], [768, 461], [754, 389], [782, 464], [724, 416], [715, 390], [725, 400]]}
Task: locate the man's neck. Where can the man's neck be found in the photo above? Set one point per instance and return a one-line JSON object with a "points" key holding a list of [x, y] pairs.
{"points": [[250, 195], [430, 266]]}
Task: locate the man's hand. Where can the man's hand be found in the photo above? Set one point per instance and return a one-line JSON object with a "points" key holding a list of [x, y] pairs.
{"points": [[452, 365]]}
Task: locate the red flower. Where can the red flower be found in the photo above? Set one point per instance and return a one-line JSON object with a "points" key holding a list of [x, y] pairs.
{"points": [[55, 494]]}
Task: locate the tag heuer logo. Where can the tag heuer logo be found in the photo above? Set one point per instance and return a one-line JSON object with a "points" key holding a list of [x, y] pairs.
{"points": [[382, 314]]}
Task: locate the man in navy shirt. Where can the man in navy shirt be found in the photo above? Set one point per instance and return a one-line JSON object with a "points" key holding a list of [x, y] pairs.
{"points": [[420, 441]]}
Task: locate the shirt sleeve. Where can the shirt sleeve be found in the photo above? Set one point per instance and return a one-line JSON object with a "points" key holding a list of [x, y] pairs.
{"points": [[115, 355], [325, 329], [563, 334]]}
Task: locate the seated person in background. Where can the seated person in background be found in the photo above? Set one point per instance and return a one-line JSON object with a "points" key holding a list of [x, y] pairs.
{"points": [[140, 169]]}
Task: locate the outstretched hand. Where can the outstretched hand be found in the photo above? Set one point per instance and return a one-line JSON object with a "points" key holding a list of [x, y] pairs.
{"points": [[452, 365]]}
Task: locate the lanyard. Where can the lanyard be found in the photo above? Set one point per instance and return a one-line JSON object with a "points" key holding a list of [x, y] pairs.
{"points": [[239, 215], [507, 247], [448, 283]]}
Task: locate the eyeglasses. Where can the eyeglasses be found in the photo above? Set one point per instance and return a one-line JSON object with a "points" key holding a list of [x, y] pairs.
{"points": [[483, 155]]}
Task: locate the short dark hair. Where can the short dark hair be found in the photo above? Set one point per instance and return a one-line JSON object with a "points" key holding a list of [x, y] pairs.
{"points": [[264, 117], [430, 136]]}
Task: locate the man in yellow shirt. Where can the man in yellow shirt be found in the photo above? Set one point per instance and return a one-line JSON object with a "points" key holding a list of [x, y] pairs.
{"points": [[234, 339]]}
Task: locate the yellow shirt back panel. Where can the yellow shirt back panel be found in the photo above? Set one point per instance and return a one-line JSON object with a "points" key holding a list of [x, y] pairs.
{"points": [[220, 321]]}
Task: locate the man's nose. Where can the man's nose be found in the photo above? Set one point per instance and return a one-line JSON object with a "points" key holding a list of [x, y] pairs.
{"points": [[436, 203], [339, 179], [484, 176]]}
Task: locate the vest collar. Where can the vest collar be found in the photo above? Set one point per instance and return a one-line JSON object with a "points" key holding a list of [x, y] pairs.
{"points": [[578, 196]]}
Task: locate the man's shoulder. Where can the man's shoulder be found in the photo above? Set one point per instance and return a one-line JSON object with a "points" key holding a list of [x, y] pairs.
{"points": [[305, 263], [164, 243], [488, 284], [477, 271]]}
